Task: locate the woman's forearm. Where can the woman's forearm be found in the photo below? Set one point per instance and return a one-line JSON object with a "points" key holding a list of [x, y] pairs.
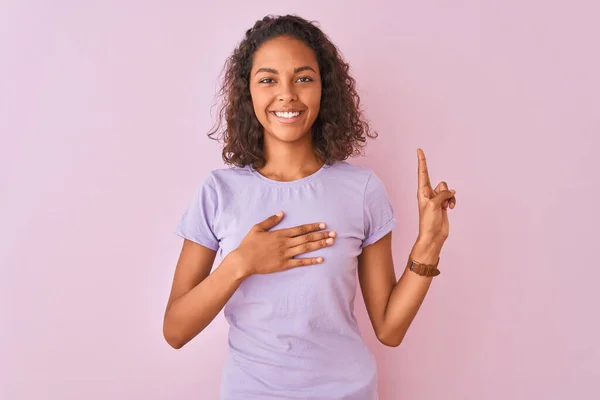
{"points": [[408, 294], [192, 312]]}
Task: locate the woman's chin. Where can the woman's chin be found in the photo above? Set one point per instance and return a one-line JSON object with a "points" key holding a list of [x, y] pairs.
{"points": [[288, 135]]}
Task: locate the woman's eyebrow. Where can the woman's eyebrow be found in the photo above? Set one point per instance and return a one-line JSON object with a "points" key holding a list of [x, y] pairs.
{"points": [[296, 70]]}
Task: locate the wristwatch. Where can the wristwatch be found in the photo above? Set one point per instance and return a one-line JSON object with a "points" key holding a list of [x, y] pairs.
{"points": [[424, 269]]}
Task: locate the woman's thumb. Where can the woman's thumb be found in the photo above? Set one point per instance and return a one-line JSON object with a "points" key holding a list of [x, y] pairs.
{"points": [[443, 196], [271, 221]]}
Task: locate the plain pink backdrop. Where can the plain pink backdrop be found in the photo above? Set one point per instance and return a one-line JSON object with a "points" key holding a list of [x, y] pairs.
{"points": [[104, 106]]}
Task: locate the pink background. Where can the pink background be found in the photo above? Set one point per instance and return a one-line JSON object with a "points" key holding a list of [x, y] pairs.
{"points": [[104, 107]]}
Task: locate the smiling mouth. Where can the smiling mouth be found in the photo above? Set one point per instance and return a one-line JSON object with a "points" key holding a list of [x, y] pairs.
{"points": [[287, 114], [287, 117]]}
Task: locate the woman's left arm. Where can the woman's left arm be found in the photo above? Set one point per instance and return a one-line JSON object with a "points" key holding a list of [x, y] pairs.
{"points": [[392, 305]]}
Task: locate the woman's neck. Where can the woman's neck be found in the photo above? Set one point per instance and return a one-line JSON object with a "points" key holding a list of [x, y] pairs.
{"points": [[290, 163]]}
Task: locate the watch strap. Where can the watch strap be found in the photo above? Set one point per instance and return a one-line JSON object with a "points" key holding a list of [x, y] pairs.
{"points": [[424, 269]]}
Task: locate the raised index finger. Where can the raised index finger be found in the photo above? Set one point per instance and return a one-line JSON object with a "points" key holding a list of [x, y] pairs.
{"points": [[303, 229], [423, 175]]}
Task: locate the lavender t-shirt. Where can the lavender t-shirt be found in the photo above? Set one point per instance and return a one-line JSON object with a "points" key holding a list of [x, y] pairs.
{"points": [[293, 334]]}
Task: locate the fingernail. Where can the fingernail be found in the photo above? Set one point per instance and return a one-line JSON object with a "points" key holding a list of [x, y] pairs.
{"points": [[329, 241], [279, 214], [322, 226], [453, 191], [332, 234]]}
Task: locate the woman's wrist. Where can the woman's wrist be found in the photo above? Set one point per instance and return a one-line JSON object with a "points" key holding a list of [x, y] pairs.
{"points": [[426, 251], [236, 263]]}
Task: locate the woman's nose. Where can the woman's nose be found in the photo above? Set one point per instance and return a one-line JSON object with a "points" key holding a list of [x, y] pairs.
{"points": [[287, 93]]}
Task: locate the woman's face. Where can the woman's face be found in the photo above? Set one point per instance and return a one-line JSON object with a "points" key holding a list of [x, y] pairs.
{"points": [[285, 85]]}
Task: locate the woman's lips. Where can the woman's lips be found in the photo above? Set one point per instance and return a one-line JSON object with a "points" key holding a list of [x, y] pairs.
{"points": [[287, 120]]}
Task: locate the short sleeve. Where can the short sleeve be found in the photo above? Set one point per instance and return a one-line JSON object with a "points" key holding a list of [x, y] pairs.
{"points": [[378, 211], [196, 223]]}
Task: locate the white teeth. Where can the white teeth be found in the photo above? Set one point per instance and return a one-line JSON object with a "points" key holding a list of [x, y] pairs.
{"points": [[287, 114]]}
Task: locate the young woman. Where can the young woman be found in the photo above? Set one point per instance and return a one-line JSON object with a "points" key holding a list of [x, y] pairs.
{"points": [[293, 224]]}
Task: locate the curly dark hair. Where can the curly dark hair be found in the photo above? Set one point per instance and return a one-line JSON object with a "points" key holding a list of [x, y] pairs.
{"points": [[340, 129]]}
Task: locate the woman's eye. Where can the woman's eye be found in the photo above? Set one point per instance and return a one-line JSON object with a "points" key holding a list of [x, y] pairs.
{"points": [[302, 79]]}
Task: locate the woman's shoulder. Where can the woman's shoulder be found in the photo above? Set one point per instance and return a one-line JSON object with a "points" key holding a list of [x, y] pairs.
{"points": [[225, 175], [351, 171], [229, 173], [219, 179]]}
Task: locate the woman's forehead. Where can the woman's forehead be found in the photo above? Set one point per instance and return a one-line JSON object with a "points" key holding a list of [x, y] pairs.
{"points": [[284, 54]]}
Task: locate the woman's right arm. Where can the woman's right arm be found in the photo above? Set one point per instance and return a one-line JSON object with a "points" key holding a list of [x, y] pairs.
{"points": [[197, 295]]}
